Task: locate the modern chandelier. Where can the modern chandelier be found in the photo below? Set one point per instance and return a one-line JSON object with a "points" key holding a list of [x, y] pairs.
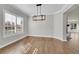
{"points": [[39, 16]]}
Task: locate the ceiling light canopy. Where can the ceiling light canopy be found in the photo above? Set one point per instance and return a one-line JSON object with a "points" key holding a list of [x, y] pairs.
{"points": [[39, 16]]}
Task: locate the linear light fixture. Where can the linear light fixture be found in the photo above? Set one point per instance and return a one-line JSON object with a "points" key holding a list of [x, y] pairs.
{"points": [[39, 16]]}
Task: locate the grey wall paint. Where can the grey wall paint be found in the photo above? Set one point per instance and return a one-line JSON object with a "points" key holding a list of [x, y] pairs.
{"points": [[64, 26], [51, 27], [58, 26], [10, 8], [41, 28]]}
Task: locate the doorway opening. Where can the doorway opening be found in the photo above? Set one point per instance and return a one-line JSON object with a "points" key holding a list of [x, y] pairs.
{"points": [[72, 26]]}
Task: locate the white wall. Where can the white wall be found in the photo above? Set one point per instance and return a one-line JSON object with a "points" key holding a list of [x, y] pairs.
{"points": [[58, 26], [51, 27], [4, 41], [41, 28]]}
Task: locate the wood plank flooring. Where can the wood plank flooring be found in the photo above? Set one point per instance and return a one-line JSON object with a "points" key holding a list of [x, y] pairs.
{"points": [[39, 45], [74, 41]]}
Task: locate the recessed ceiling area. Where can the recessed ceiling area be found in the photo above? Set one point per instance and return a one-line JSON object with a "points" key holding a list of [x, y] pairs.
{"points": [[47, 9]]}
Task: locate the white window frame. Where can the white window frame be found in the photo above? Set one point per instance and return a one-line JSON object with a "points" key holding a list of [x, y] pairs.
{"points": [[6, 11]]}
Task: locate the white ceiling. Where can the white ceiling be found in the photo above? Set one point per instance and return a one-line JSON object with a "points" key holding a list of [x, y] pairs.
{"points": [[47, 9], [74, 14]]}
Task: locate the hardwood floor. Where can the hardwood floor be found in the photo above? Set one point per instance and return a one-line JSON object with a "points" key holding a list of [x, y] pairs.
{"points": [[74, 41], [39, 45]]}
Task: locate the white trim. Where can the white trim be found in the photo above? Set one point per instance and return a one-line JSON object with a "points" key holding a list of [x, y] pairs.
{"points": [[13, 41], [59, 38], [62, 39], [42, 36]]}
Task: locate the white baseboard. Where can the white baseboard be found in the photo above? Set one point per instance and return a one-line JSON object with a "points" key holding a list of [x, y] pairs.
{"points": [[13, 41], [62, 39], [42, 36], [49, 37]]}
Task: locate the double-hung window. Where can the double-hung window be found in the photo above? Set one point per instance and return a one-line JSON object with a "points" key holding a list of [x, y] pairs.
{"points": [[13, 24]]}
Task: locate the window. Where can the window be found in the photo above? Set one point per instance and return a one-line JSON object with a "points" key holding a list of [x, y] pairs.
{"points": [[12, 24], [19, 26]]}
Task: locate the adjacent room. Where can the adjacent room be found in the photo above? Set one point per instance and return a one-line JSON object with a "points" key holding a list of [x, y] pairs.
{"points": [[39, 29]]}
